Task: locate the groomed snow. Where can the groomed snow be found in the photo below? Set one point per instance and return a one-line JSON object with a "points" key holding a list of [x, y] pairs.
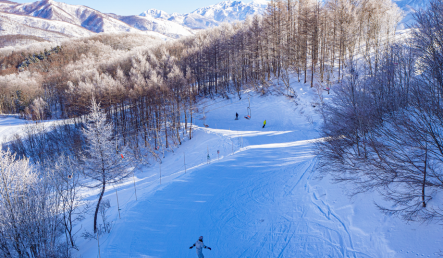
{"points": [[260, 199]]}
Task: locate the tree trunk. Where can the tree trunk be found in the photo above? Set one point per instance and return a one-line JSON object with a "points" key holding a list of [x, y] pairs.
{"points": [[98, 206], [423, 197]]}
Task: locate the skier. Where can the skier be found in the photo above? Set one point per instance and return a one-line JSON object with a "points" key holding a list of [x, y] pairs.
{"points": [[199, 247], [236, 116], [264, 123]]}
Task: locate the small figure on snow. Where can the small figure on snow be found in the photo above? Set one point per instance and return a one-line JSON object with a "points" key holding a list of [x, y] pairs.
{"points": [[264, 123], [199, 247], [236, 116]]}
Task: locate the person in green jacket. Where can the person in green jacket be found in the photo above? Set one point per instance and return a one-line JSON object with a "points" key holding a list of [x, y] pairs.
{"points": [[264, 123]]}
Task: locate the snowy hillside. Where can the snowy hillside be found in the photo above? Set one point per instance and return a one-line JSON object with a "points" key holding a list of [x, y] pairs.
{"points": [[409, 7], [256, 196], [12, 24], [75, 14], [148, 23]]}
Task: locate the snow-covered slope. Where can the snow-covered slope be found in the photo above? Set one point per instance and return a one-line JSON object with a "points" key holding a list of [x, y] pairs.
{"points": [[86, 17], [258, 195], [213, 15], [12, 24], [5, 2], [148, 23], [409, 7]]}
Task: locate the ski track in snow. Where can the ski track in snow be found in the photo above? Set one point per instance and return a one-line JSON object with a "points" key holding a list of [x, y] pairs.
{"points": [[256, 201], [259, 199], [252, 213]]}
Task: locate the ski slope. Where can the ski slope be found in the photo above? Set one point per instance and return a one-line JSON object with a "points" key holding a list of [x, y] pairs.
{"points": [[259, 198]]}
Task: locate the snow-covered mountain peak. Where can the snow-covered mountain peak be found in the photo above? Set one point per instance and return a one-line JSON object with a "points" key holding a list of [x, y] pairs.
{"points": [[261, 2], [154, 13], [229, 11], [213, 15]]}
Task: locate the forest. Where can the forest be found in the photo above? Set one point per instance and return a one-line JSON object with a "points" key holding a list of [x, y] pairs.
{"points": [[135, 95]]}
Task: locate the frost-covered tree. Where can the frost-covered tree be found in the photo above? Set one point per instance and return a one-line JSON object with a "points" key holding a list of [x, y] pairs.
{"points": [[39, 106], [65, 178], [101, 162], [29, 211], [16, 179]]}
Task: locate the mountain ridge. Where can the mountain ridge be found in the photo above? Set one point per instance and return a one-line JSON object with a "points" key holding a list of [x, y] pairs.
{"points": [[59, 18], [212, 15]]}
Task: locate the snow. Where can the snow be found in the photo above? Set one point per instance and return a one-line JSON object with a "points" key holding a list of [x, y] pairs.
{"points": [[165, 27], [260, 198], [74, 14], [211, 16], [10, 125], [155, 13], [261, 2], [409, 7], [47, 29], [60, 20]]}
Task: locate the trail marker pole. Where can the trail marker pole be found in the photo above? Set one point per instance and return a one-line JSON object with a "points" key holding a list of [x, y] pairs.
{"points": [[209, 162], [98, 241], [249, 100], [135, 189], [118, 205]]}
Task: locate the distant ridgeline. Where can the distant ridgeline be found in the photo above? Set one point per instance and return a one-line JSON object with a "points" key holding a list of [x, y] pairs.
{"points": [[35, 58]]}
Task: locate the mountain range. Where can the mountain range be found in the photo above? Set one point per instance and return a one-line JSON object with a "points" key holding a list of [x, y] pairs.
{"points": [[48, 20]]}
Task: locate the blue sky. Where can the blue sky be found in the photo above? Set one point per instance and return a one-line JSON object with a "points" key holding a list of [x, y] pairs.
{"points": [[133, 7]]}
